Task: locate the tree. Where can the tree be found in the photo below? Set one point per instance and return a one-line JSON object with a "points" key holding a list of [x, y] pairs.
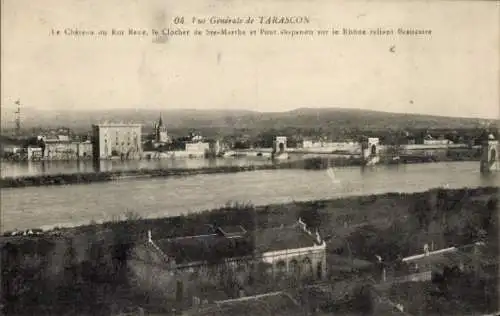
{"points": [[311, 216], [241, 144], [363, 299], [70, 261], [422, 210], [490, 217], [11, 276]]}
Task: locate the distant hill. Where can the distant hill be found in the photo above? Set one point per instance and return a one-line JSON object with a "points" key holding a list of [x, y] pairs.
{"points": [[306, 118]]}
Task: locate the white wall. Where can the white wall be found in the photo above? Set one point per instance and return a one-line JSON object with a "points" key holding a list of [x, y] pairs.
{"points": [[437, 142], [197, 148]]}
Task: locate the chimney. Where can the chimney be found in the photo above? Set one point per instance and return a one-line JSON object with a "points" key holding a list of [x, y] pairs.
{"points": [[302, 225], [426, 249], [318, 237]]}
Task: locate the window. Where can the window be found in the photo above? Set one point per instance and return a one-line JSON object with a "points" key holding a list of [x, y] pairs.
{"points": [[179, 290], [319, 270], [294, 267], [281, 266], [308, 268]]}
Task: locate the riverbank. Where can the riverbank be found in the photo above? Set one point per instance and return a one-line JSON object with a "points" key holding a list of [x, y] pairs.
{"points": [[95, 177]]}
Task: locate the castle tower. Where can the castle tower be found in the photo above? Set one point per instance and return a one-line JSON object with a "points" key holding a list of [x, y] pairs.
{"points": [[489, 155]]}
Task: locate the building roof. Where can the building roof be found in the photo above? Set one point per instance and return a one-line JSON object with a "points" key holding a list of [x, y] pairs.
{"points": [[384, 308], [338, 291], [160, 121], [209, 248], [231, 242], [453, 256], [282, 238], [340, 262], [275, 304], [232, 231]]}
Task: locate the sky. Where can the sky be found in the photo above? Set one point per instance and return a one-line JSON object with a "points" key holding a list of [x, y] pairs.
{"points": [[453, 72]]}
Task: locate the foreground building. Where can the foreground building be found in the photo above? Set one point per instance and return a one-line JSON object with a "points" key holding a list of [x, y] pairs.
{"points": [[181, 268], [116, 140], [467, 258]]}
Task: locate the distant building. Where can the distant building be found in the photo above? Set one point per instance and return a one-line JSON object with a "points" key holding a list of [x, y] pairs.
{"points": [[34, 153], [429, 140], [324, 145], [177, 267], [160, 132], [54, 138], [195, 137], [61, 147], [437, 142], [11, 149], [197, 148], [67, 150], [116, 140]]}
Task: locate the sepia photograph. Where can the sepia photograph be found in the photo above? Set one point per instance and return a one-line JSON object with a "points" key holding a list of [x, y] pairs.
{"points": [[265, 157]]}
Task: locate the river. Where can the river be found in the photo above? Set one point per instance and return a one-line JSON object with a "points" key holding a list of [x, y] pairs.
{"points": [[46, 207]]}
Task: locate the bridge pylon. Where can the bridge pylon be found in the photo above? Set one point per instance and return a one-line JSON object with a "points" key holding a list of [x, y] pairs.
{"points": [[370, 151], [489, 155]]}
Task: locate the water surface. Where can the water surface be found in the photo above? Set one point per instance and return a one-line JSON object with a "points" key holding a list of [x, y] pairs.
{"points": [[79, 204]]}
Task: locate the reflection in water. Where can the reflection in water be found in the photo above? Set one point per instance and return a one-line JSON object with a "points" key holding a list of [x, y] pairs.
{"points": [[96, 165], [33, 168], [79, 204], [490, 179]]}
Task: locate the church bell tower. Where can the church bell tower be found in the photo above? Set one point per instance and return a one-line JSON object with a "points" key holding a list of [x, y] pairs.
{"points": [[161, 135]]}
